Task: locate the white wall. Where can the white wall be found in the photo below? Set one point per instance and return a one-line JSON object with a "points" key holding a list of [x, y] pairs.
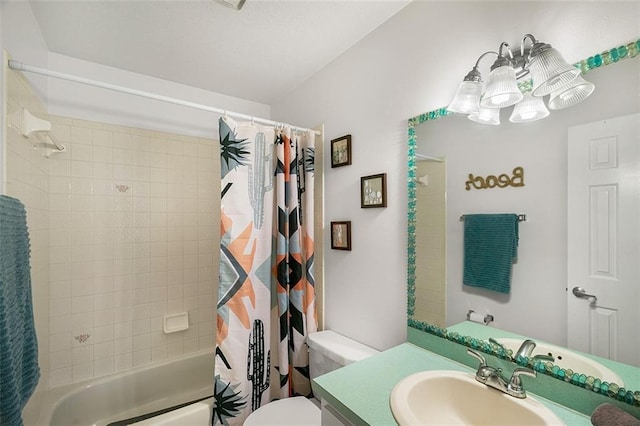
{"points": [[19, 32], [22, 39], [409, 65]]}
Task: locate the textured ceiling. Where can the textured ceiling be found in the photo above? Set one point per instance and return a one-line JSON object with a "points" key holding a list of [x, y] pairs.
{"points": [[259, 53]]}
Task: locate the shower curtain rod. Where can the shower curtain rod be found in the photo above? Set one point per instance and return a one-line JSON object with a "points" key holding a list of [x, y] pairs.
{"points": [[19, 66]]}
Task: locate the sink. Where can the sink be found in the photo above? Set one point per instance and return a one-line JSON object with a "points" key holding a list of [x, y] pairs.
{"points": [[455, 398], [567, 359]]}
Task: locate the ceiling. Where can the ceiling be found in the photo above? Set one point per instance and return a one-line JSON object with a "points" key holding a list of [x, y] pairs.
{"points": [[259, 53]]}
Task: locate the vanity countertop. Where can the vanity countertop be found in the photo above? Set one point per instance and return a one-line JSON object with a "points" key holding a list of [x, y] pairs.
{"points": [[361, 391]]}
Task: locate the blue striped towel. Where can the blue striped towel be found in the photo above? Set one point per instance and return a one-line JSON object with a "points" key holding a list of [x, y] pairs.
{"points": [[19, 371], [490, 248]]}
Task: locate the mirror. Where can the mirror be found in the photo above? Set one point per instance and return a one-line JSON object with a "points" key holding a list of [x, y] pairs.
{"points": [[449, 153]]}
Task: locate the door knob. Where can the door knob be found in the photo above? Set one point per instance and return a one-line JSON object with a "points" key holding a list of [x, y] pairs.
{"points": [[581, 293]]}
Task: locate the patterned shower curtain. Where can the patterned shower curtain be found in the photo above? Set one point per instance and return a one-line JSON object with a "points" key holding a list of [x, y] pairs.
{"points": [[266, 295]]}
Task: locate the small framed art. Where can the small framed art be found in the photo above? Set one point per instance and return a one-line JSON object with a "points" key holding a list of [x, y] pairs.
{"points": [[341, 235], [373, 191], [341, 151]]}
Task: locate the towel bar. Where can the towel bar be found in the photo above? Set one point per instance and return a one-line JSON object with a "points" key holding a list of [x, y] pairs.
{"points": [[521, 218]]}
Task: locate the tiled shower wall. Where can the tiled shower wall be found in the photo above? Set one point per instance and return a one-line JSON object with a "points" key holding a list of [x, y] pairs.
{"points": [[134, 219]]}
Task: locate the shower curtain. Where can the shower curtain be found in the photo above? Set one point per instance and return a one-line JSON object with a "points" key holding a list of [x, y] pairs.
{"points": [[266, 297]]}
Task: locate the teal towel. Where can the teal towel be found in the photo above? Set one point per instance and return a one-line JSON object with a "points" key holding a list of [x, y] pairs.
{"points": [[490, 248], [19, 371]]}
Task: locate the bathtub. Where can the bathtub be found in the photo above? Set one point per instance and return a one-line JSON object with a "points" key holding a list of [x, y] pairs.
{"points": [[137, 392]]}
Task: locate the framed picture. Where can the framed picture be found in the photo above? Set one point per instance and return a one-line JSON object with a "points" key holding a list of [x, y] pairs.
{"points": [[341, 235], [373, 191], [341, 151]]}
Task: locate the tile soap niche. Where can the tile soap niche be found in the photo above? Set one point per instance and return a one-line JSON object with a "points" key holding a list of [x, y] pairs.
{"points": [[175, 322]]}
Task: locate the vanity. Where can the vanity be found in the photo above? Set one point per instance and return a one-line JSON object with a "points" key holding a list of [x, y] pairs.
{"points": [[360, 392]]}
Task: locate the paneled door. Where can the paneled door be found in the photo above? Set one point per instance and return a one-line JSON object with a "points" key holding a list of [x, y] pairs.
{"points": [[603, 192]]}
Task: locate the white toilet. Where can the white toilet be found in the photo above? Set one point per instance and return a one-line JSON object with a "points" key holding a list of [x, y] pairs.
{"points": [[328, 351]]}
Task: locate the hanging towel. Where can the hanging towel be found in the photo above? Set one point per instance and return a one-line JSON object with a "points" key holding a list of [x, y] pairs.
{"points": [[19, 371], [490, 248]]}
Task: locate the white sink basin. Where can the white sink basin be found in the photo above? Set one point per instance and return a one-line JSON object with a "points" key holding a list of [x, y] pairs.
{"points": [[567, 359], [455, 398]]}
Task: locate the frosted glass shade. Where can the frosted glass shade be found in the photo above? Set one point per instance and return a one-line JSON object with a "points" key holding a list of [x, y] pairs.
{"points": [[467, 99], [549, 72], [502, 89], [577, 91], [486, 116], [531, 108]]}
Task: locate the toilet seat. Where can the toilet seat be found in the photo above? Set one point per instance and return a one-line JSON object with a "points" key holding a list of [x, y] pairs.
{"points": [[289, 411]]}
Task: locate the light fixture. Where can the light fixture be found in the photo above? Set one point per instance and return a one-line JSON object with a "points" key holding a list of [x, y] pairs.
{"points": [[486, 116], [577, 91], [522, 79], [531, 108], [467, 98], [502, 87], [549, 71]]}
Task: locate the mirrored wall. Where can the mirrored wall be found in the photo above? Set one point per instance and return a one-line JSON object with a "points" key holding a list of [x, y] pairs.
{"points": [[448, 153]]}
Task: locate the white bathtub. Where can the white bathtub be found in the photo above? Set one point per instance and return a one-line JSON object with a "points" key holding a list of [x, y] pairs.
{"points": [[137, 392]]}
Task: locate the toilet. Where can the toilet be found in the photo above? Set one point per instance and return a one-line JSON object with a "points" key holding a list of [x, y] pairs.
{"points": [[328, 351]]}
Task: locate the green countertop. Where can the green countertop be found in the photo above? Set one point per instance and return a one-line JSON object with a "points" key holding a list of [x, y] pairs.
{"points": [[361, 391]]}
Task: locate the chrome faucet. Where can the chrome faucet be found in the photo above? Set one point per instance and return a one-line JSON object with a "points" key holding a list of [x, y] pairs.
{"points": [[526, 349], [493, 377]]}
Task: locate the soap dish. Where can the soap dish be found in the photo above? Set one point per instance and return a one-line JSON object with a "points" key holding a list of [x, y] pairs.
{"points": [[176, 322]]}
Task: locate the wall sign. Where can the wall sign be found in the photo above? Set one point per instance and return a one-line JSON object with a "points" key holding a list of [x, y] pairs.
{"points": [[502, 181]]}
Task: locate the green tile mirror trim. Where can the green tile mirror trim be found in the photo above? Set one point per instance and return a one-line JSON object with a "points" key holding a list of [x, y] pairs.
{"points": [[610, 390]]}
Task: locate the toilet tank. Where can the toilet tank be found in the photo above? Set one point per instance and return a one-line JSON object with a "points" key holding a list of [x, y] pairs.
{"points": [[329, 351]]}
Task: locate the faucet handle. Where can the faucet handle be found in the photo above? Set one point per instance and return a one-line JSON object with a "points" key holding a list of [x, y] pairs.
{"points": [[478, 356], [484, 371], [495, 342], [515, 383]]}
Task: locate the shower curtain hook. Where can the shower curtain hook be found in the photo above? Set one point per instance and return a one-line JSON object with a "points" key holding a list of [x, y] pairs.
{"points": [[253, 120]]}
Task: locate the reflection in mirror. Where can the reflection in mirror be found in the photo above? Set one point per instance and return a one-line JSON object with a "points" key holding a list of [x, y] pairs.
{"points": [[445, 150], [431, 237]]}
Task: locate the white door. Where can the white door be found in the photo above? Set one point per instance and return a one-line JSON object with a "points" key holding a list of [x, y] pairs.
{"points": [[604, 238]]}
